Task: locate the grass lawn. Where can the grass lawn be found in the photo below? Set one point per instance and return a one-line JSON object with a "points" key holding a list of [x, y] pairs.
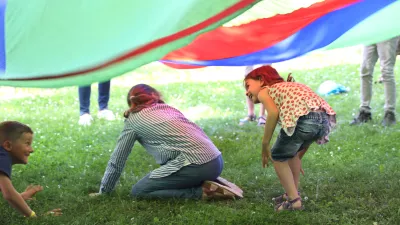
{"points": [[354, 179]]}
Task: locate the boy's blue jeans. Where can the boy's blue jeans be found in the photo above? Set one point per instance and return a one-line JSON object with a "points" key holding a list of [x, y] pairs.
{"points": [[185, 183], [84, 97]]}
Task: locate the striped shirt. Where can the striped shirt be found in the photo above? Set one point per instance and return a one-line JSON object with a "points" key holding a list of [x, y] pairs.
{"points": [[167, 135]]}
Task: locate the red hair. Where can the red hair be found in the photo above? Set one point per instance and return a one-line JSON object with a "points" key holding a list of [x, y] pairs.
{"points": [[141, 96], [268, 75]]}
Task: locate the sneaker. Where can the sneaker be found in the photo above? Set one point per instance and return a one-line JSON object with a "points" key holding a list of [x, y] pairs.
{"points": [[261, 121], [389, 119], [85, 120], [247, 119], [106, 114], [362, 117]]}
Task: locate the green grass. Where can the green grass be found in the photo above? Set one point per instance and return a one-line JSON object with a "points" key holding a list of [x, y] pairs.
{"points": [[354, 179]]}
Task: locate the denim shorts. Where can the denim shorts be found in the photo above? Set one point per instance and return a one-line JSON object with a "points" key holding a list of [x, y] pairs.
{"points": [[309, 128]]}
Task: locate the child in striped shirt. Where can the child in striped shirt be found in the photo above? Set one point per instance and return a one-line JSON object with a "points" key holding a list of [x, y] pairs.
{"points": [[189, 161]]}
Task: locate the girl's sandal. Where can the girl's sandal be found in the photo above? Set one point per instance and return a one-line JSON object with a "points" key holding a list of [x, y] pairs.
{"points": [[247, 119], [288, 206], [281, 198], [261, 121]]}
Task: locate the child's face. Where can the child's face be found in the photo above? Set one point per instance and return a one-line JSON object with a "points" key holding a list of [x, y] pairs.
{"points": [[253, 87], [21, 148]]}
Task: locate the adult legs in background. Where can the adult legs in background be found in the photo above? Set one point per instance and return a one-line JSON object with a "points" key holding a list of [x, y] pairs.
{"points": [[387, 56], [85, 118], [84, 92], [84, 99], [386, 52], [104, 97], [370, 56]]}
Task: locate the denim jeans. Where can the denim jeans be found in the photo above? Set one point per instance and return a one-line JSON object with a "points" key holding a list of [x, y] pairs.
{"points": [[84, 97], [185, 183], [386, 52], [309, 128]]}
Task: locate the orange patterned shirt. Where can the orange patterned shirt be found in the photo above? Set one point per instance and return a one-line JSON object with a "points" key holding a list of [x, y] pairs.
{"points": [[295, 100]]}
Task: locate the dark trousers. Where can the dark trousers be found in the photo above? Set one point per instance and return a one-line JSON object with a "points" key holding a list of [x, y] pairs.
{"points": [[185, 183]]}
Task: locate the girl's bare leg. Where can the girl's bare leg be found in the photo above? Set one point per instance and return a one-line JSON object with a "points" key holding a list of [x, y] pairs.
{"points": [[285, 175], [250, 106], [295, 167]]}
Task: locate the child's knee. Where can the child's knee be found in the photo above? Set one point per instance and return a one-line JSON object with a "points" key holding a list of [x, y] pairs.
{"points": [[138, 191]]}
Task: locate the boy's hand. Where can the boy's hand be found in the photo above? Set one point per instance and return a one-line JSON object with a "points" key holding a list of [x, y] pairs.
{"points": [[30, 191], [54, 212]]}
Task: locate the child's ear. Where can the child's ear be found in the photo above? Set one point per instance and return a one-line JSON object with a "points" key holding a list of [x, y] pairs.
{"points": [[261, 80], [7, 145]]}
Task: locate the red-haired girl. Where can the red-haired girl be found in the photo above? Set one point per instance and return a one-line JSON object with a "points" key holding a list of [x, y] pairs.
{"points": [[304, 117]]}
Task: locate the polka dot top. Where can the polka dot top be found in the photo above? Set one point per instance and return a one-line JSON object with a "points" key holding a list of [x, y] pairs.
{"points": [[295, 100]]}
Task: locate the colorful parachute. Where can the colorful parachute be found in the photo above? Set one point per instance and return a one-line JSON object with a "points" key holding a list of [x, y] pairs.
{"points": [[325, 25], [47, 43]]}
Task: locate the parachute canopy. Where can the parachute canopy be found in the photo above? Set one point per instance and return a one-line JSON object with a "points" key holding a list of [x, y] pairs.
{"points": [[47, 43], [325, 25]]}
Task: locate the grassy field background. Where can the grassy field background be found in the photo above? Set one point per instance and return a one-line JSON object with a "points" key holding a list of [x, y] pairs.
{"points": [[354, 179]]}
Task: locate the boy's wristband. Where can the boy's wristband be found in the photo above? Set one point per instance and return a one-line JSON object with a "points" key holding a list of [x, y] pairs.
{"points": [[33, 214]]}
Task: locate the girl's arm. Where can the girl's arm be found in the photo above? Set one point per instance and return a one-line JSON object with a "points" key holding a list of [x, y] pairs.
{"points": [[118, 159], [270, 124]]}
